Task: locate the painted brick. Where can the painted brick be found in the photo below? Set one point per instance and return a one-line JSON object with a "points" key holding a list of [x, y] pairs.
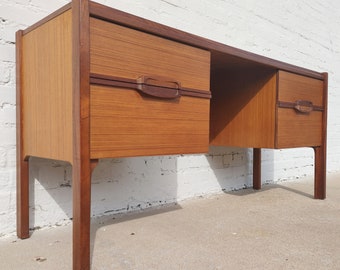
{"points": [[7, 114], [47, 6], [3, 159], [7, 95], [20, 14], [9, 35], [7, 53], [4, 74]]}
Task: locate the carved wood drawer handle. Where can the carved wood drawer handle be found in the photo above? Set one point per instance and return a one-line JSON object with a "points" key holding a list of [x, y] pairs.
{"points": [[156, 86], [303, 106], [160, 87]]}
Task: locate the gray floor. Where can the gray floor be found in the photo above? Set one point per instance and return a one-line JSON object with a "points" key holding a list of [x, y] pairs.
{"points": [[279, 227]]}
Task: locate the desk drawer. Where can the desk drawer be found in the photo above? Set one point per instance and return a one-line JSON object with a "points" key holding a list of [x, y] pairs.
{"points": [[149, 95], [127, 53], [126, 123], [299, 111]]}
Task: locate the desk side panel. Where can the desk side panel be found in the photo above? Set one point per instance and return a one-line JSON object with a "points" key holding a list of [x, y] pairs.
{"points": [[243, 108], [46, 89]]}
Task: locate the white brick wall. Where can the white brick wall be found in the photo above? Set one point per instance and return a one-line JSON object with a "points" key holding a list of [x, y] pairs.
{"points": [[304, 33]]}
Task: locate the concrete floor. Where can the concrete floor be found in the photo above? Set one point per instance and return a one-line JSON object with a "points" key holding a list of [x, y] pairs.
{"points": [[279, 227]]}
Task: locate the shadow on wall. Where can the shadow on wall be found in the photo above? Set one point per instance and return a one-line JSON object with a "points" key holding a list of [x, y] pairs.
{"points": [[50, 192], [232, 167], [118, 185], [130, 184], [286, 164]]}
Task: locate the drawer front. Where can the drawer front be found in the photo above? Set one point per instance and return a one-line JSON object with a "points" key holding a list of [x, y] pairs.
{"points": [[127, 53], [292, 87], [125, 123], [299, 111], [149, 95]]}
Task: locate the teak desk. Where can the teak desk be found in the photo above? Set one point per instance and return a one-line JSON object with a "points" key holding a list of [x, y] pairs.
{"points": [[94, 82]]}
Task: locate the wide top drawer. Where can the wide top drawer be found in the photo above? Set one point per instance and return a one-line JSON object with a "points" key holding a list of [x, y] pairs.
{"points": [[119, 51]]}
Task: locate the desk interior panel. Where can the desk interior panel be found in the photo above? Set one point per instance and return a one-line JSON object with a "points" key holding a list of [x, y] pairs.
{"points": [[243, 108]]}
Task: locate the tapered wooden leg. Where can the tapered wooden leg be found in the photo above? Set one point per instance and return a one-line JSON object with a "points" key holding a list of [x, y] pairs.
{"points": [[81, 134], [320, 172], [22, 199], [321, 151], [22, 163], [257, 168], [81, 215]]}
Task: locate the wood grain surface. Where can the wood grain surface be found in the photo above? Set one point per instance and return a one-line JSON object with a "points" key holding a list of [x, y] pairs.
{"points": [[47, 89], [128, 53], [125, 123], [296, 129], [243, 108]]}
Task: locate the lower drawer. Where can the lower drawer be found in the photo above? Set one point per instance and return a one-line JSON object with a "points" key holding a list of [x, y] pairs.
{"points": [[295, 129], [125, 123]]}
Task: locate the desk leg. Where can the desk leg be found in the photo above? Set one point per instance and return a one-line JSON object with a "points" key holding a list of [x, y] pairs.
{"points": [[257, 168], [320, 172], [22, 161], [22, 199], [81, 215]]}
